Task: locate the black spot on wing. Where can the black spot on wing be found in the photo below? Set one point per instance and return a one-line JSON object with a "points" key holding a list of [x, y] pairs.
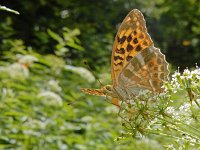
{"points": [[129, 48], [117, 58], [122, 40], [135, 40], [118, 64], [128, 58], [129, 38], [138, 48], [120, 51]]}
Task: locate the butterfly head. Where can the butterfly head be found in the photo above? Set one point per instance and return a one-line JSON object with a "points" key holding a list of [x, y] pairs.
{"points": [[108, 90]]}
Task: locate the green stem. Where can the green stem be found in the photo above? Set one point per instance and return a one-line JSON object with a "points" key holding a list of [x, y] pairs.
{"points": [[171, 136], [195, 131], [197, 103]]}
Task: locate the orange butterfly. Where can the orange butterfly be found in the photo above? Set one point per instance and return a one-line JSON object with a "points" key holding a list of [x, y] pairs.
{"points": [[136, 64]]}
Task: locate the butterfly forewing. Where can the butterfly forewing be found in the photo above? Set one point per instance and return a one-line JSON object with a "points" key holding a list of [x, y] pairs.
{"points": [[131, 38]]}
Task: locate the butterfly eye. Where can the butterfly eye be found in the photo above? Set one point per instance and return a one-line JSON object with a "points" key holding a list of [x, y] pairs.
{"points": [[109, 88]]}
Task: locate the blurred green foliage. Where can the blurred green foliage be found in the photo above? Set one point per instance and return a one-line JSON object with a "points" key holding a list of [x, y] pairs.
{"points": [[40, 50]]}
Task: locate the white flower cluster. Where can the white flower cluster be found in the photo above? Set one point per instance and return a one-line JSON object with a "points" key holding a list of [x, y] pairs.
{"points": [[177, 109], [83, 72], [15, 70], [183, 113], [19, 69], [26, 59], [188, 79], [174, 82], [50, 98], [54, 86], [6, 92]]}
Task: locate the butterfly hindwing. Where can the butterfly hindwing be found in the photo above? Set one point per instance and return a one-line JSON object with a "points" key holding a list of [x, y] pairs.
{"points": [[147, 70]]}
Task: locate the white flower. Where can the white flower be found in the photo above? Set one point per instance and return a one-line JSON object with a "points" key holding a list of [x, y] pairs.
{"points": [[186, 72], [5, 92], [33, 123], [170, 147], [174, 114], [17, 70], [26, 59], [170, 110], [83, 72], [111, 109], [50, 98], [176, 85], [54, 86], [192, 141], [188, 120], [61, 145], [196, 73], [181, 147], [189, 77], [185, 107], [176, 74], [86, 119], [182, 77], [185, 113]]}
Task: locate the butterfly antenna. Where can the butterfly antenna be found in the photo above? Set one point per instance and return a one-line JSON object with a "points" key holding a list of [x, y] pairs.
{"points": [[74, 102], [91, 70]]}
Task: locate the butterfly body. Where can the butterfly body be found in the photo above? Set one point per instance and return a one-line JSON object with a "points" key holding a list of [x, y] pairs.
{"points": [[135, 63]]}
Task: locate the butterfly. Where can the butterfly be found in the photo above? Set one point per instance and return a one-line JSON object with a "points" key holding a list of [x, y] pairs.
{"points": [[135, 63]]}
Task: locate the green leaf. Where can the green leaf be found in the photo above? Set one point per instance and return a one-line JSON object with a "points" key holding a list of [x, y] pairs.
{"points": [[55, 36], [75, 46]]}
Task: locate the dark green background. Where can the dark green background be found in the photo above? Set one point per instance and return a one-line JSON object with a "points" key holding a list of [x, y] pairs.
{"points": [[170, 24]]}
